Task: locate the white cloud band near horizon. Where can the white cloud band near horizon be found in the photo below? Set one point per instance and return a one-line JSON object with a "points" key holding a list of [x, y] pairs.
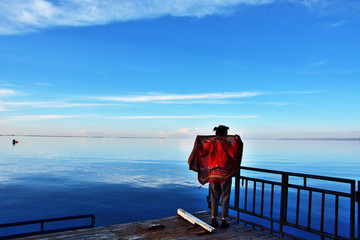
{"points": [[25, 16], [87, 116], [124, 100], [46, 117], [12, 119]]}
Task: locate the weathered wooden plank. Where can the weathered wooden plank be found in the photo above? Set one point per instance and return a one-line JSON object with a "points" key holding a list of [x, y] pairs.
{"points": [[89, 234], [174, 227], [194, 220]]}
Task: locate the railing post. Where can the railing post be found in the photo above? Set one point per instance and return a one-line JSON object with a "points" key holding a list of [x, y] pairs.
{"points": [[237, 189], [92, 220], [352, 210], [358, 213], [284, 198], [237, 193]]}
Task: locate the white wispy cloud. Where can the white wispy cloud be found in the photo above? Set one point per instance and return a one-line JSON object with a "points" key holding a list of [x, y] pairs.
{"points": [[201, 98], [187, 131], [317, 64], [43, 84], [23, 16], [5, 84], [51, 104], [177, 97], [296, 92], [184, 132], [338, 24], [24, 118], [39, 118], [8, 92], [273, 103], [124, 101], [184, 117], [225, 102], [47, 117], [331, 7]]}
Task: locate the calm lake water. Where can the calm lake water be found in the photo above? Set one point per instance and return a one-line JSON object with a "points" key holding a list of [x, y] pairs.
{"points": [[131, 179]]}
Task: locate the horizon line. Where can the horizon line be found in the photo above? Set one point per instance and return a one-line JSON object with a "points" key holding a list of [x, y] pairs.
{"points": [[159, 137]]}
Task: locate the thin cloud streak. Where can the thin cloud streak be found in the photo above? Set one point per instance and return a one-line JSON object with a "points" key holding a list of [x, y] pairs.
{"points": [[47, 117], [338, 24], [43, 84], [123, 101], [5, 84], [195, 98], [8, 92], [225, 102], [333, 7], [39, 118], [273, 103], [87, 116], [182, 117], [296, 92], [177, 97], [53, 104]]}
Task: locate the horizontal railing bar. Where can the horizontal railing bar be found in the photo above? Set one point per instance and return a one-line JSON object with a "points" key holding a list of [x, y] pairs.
{"points": [[265, 228], [320, 190], [325, 234], [46, 220], [21, 235], [255, 214], [44, 232], [344, 194], [335, 179], [320, 177], [261, 180], [301, 183], [311, 230]]}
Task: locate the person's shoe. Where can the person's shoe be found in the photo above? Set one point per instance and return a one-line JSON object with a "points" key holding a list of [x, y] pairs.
{"points": [[214, 223], [224, 224]]}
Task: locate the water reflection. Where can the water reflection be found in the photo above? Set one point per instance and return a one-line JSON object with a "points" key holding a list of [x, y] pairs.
{"points": [[111, 203], [123, 180]]}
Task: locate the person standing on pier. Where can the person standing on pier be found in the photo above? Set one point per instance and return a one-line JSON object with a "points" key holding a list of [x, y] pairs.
{"points": [[216, 159]]}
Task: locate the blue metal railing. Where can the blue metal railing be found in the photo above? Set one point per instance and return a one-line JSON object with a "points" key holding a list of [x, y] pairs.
{"points": [[42, 222], [295, 205]]}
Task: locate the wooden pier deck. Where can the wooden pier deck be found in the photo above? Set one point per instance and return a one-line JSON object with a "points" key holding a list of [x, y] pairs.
{"points": [[174, 227]]}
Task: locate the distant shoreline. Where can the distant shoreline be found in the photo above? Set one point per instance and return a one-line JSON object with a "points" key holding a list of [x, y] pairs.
{"points": [[133, 137], [70, 136], [308, 139]]}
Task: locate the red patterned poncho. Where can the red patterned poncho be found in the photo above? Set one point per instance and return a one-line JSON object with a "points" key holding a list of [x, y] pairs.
{"points": [[216, 158]]}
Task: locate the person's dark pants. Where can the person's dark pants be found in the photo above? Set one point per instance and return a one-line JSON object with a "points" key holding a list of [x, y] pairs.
{"points": [[220, 189]]}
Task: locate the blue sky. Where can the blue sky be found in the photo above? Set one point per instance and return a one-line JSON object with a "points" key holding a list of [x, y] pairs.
{"points": [[177, 68]]}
